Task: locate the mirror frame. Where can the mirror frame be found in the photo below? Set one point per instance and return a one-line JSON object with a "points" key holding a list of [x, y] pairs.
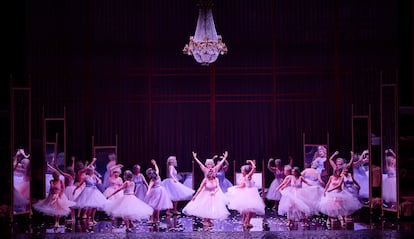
{"points": [[384, 147], [56, 142], [13, 90], [367, 118]]}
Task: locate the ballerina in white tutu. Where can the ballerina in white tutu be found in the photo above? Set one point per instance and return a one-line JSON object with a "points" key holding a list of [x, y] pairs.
{"points": [[128, 206], [69, 176], [114, 182], [245, 197], [141, 185], [176, 190], [361, 174], [91, 198], [209, 202], [297, 202], [350, 185], [157, 197], [336, 202], [389, 186], [278, 171], [21, 181], [56, 204]]}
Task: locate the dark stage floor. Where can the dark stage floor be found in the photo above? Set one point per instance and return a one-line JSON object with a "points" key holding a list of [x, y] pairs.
{"points": [[363, 226]]}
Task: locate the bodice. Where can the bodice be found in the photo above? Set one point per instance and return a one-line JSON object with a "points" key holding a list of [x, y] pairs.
{"points": [[211, 185], [138, 179], [295, 182], [90, 181], [129, 189]]}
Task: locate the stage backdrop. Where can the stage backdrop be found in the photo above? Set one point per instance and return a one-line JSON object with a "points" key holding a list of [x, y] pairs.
{"points": [[292, 67]]}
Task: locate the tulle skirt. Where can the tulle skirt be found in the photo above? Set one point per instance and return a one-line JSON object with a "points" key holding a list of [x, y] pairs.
{"points": [[158, 199], [362, 177], [246, 199], [293, 204], [54, 205], [206, 205], [339, 203], [69, 192], [18, 199], [109, 190], [177, 191], [272, 193], [90, 197], [140, 190], [128, 207], [389, 189]]}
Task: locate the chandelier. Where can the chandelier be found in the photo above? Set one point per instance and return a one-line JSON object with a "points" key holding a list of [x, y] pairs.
{"points": [[205, 46]]}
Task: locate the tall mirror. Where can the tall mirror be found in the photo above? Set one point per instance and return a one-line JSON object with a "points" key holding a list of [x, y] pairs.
{"points": [[316, 156], [106, 157], [361, 146], [389, 147], [20, 148], [54, 146]]}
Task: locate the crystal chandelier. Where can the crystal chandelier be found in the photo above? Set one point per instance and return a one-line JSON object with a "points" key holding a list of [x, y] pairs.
{"points": [[205, 45]]}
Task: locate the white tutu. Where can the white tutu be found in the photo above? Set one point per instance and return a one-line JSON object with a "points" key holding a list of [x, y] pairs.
{"points": [[128, 207], [361, 175], [69, 192], [18, 199], [272, 193], [140, 190], [339, 203], [389, 189], [158, 197], [109, 190], [246, 199], [90, 197], [208, 205], [293, 203], [177, 191], [54, 205]]}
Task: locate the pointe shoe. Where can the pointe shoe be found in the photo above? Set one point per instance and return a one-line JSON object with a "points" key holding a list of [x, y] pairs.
{"points": [[128, 230]]}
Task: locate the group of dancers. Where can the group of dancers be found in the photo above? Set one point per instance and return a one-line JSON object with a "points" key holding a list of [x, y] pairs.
{"points": [[297, 194]]}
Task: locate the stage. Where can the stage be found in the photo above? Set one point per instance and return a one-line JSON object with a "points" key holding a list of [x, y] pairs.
{"points": [[181, 226]]}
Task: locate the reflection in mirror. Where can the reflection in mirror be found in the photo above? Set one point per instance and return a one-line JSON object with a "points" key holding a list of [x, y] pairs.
{"points": [[316, 155], [21, 182], [389, 180], [20, 147], [50, 156], [360, 147], [105, 159], [389, 146]]}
